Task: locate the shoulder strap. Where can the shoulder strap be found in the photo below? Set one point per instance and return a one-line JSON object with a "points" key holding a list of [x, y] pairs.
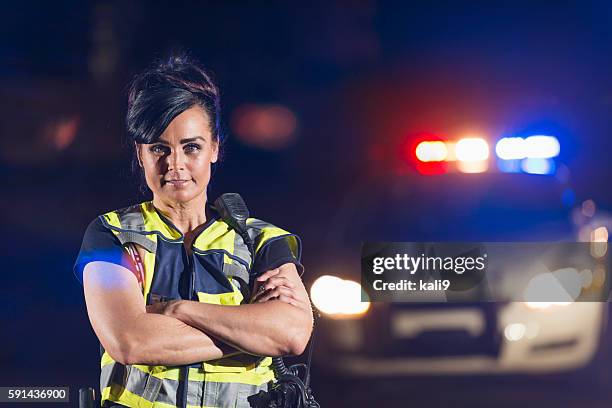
{"points": [[129, 237]]}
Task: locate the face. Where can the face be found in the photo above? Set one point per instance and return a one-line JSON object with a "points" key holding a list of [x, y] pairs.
{"points": [[177, 166]]}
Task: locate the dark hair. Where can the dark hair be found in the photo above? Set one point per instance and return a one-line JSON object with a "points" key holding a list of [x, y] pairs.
{"points": [[165, 90]]}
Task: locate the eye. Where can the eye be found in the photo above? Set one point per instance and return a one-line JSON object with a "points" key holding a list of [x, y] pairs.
{"points": [[192, 148], [159, 149]]}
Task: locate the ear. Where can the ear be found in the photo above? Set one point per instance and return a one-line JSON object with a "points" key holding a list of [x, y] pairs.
{"points": [[215, 152], [138, 149]]}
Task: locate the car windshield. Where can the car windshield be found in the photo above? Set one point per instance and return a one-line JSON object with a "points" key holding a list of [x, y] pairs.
{"points": [[496, 207]]}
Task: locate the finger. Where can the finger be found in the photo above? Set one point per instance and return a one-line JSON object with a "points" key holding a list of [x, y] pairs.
{"points": [[280, 290], [258, 290], [266, 295], [268, 274], [276, 291], [262, 295], [275, 281]]}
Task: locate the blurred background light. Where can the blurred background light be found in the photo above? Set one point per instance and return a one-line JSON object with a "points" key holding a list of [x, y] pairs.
{"points": [[599, 242], [61, 134], [510, 148], [534, 147], [335, 296], [538, 166], [323, 293], [588, 208], [472, 149], [431, 151], [541, 147], [270, 127], [515, 331]]}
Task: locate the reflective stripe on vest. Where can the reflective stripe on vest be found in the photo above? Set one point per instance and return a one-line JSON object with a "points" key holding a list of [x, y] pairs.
{"points": [[136, 385], [224, 382]]}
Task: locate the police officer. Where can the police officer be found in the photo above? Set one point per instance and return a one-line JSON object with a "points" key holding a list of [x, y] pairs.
{"points": [[170, 287]]}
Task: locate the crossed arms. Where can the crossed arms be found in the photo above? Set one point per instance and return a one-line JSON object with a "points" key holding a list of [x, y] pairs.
{"points": [[277, 322]]}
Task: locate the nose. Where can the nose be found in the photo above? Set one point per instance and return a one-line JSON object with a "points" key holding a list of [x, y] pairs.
{"points": [[176, 160]]}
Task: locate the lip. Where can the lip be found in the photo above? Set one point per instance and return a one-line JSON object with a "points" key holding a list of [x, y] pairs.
{"points": [[177, 183]]}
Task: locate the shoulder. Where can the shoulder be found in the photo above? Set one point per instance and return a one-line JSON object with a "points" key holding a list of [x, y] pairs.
{"points": [[125, 215], [98, 234], [264, 233], [99, 244], [260, 230], [103, 224], [274, 246], [257, 224]]}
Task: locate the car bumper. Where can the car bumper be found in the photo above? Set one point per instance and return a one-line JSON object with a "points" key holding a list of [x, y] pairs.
{"points": [[562, 338]]}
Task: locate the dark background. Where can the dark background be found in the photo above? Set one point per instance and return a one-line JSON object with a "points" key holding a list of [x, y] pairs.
{"points": [[358, 78]]}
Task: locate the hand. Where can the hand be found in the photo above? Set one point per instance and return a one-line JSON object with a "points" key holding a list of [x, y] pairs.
{"points": [[165, 308], [273, 285]]}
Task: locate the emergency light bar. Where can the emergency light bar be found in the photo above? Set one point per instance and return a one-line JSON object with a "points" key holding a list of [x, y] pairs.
{"points": [[532, 155]]}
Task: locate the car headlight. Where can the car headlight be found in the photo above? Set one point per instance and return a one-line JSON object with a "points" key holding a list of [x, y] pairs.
{"points": [[338, 297]]}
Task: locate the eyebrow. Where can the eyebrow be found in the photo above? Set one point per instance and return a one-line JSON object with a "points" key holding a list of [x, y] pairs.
{"points": [[183, 141]]}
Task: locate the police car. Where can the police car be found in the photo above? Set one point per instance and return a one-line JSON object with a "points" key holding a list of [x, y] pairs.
{"points": [[460, 192]]}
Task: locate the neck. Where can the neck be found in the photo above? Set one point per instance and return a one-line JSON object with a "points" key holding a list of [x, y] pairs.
{"points": [[186, 216]]}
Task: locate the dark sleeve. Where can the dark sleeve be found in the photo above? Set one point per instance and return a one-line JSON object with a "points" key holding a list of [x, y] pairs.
{"points": [[100, 244], [274, 254]]}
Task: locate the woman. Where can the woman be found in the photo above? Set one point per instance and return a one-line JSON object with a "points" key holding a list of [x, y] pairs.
{"points": [[168, 283]]}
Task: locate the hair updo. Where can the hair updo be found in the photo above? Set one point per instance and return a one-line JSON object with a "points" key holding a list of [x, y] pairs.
{"points": [[164, 91]]}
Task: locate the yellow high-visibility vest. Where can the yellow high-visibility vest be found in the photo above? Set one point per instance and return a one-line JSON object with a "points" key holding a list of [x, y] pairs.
{"points": [[219, 267]]}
